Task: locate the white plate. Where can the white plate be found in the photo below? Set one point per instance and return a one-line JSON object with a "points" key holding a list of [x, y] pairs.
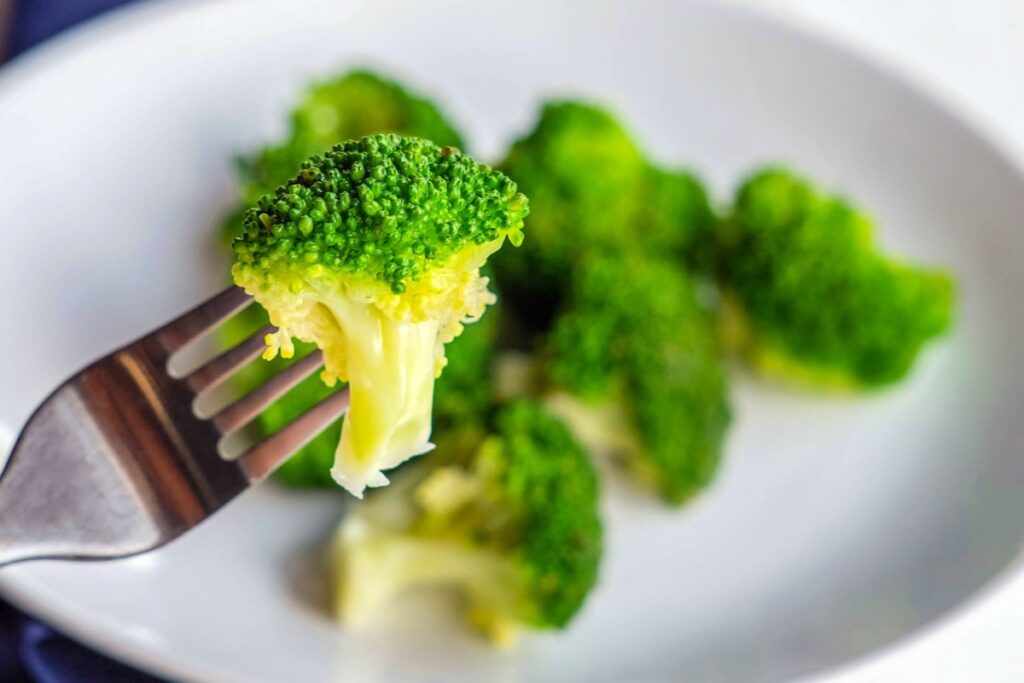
{"points": [[836, 526]]}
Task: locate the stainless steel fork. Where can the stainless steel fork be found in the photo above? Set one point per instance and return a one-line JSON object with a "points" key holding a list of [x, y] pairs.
{"points": [[116, 461]]}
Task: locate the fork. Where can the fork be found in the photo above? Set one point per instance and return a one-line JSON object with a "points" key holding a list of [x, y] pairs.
{"points": [[117, 460]]}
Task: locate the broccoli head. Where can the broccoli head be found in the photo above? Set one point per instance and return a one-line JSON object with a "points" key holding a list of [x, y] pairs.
{"points": [[349, 106], [509, 516], [634, 355], [809, 295], [591, 188], [354, 105], [373, 253]]}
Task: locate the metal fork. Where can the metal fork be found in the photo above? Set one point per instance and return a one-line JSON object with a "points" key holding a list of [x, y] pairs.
{"points": [[116, 461]]}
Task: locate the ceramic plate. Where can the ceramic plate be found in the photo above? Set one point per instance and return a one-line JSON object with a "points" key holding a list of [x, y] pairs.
{"points": [[837, 526]]}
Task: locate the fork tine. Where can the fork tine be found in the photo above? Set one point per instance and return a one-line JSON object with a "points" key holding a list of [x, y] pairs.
{"points": [[239, 413], [226, 364], [263, 458], [202, 318]]}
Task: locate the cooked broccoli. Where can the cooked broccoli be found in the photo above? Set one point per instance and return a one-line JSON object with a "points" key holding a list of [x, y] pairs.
{"points": [[463, 394], [591, 188], [637, 351], [809, 295], [509, 517], [373, 253], [351, 106]]}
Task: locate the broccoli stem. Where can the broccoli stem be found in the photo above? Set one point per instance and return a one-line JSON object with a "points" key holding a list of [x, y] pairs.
{"points": [[390, 372], [381, 567]]}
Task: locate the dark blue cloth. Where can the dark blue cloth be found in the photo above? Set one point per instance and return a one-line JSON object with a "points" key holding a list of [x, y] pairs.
{"points": [[36, 20], [32, 652]]}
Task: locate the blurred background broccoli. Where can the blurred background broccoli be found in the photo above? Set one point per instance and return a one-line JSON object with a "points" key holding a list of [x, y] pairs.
{"points": [[507, 513], [633, 336], [592, 189], [810, 298]]}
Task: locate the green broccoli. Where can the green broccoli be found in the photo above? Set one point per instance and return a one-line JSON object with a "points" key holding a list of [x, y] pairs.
{"points": [[591, 188], [373, 253], [635, 357], [356, 104], [510, 517], [462, 394], [310, 466], [809, 295]]}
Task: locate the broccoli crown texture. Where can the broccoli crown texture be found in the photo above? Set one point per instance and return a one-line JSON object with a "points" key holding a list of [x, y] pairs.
{"points": [[591, 188], [373, 253], [634, 332], [507, 513], [535, 473], [383, 208], [354, 105], [812, 298]]}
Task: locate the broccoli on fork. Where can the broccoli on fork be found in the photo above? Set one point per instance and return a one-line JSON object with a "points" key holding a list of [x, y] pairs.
{"points": [[373, 253], [353, 105], [810, 297], [508, 517], [344, 107]]}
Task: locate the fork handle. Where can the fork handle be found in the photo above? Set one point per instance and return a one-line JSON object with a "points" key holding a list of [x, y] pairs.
{"points": [[62, 495]]}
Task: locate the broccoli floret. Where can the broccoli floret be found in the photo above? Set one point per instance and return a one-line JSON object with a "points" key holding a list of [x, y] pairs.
{"points": [[637, 351], [591, 188], [809, 295], [346, 107], [462, 396], [510, 518], [373, 254], [353, 105], [357, 104]]}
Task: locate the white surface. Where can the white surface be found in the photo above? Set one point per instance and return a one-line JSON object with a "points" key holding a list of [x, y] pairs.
{"points": [[835, 527], [972, 49], [972, 52]]}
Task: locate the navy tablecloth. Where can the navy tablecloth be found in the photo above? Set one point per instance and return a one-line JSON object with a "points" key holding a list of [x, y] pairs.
{"points": [[30, 651]]}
